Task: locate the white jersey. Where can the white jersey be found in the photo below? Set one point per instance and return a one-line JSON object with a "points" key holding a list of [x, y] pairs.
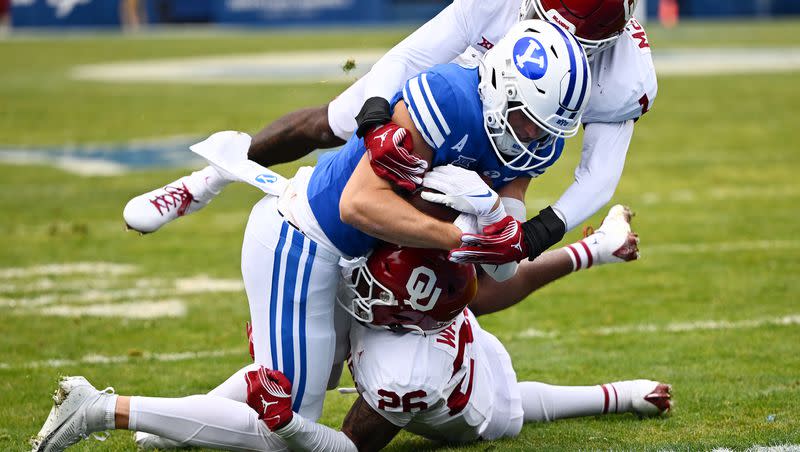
{"points": [[624, 87], [624, 79], [457, 385], [622, 75]]}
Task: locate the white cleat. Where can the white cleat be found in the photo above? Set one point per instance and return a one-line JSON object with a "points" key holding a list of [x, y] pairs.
{"points": [[66, 424], [613, 241], [650, 398], [149, 211], [148, 441]]}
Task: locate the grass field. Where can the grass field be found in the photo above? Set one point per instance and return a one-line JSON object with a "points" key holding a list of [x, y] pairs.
{"points": [[711, 307]]}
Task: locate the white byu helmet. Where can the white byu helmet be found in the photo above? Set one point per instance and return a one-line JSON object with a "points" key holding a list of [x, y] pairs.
{"points": [[540, 70]]}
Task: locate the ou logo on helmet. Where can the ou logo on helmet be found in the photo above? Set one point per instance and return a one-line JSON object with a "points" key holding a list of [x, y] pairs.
{"points": [[421, 285], [530, 58]]}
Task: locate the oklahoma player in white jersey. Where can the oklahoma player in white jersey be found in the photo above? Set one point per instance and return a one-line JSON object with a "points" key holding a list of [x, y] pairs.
{"points": [[455, 382], [624, 88]]}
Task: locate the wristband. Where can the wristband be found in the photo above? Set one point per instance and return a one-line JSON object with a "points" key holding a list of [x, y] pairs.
{"points": [[542, 231], [375, 112]]}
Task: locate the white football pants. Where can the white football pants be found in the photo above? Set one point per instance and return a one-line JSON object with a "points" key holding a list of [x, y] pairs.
{"points": [[291, 286]]}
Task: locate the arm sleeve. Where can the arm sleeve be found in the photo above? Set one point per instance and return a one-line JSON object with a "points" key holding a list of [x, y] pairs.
{"points": [[438, 41], [605, 146], [300, 434], [500, 273]]}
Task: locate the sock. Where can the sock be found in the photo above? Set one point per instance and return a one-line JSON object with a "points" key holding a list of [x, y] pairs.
{"points": [[582, 254], [100, 415], [203, 421], [542, 402], [206, 183]]}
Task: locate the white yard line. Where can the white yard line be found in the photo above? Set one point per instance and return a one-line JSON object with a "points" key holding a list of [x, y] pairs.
{"points": [[675, 327], [91, 268], [326, 66], [780, 448], [146, 356], [156, 309]]}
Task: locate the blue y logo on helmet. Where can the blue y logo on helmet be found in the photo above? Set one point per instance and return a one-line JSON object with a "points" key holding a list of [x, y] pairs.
{"points": [[530, 58]]}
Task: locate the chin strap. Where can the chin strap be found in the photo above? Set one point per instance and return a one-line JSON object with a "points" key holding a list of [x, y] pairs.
{"points": [[543, 231], [375, 112]]}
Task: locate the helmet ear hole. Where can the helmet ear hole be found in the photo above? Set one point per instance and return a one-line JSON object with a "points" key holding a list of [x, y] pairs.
{"points": [[511, 92]]}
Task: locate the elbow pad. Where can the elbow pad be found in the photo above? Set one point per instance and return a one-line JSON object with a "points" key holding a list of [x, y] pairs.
{"points": [[543, 231], [375, 112]]}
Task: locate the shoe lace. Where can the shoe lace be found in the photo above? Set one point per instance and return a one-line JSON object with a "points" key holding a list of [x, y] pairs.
{"points": [[179, 197]]}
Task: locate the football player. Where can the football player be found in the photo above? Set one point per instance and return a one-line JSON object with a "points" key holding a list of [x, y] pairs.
{"points": [[624, 89], [507, 117], [446, 378]]}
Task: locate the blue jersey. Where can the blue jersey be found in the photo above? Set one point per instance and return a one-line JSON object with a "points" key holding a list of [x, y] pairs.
{"points": [[445, 107]]}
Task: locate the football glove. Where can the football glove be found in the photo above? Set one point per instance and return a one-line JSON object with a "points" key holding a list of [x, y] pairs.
{"points": [[500, 243], [464, 191], [269, 392], [391, 155]]}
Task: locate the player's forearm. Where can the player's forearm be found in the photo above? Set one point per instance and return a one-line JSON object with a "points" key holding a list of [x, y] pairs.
{"points": [[532, 275], [293, 136], [386, 216], [300, 434], [605, 147]]}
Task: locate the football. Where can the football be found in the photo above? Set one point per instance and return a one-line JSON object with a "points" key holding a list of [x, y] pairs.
{"points": [[438, 211]]}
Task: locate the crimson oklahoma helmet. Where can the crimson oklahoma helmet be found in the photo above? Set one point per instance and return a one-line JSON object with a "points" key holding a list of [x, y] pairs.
{"points": [[407, 289], [596, 23]]}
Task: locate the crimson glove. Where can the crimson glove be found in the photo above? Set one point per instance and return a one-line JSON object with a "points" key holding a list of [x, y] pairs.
{"points": [[269, 392], [500, 243], [391, 155]]}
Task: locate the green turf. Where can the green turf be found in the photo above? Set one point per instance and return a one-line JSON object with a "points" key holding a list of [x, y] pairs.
{"points": [[711, 174]]}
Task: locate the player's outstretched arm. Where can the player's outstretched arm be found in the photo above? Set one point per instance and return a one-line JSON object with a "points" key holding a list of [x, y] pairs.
{"points": [[612, 242], [292, 136]]}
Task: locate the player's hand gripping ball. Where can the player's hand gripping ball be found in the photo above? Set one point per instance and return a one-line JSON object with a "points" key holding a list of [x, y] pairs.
{"points": [[391, 155]]}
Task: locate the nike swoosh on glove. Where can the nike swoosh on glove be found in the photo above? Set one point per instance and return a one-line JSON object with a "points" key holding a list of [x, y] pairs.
{"points": [[269, 392], [462, 190], [391, 155], [500, 243]]}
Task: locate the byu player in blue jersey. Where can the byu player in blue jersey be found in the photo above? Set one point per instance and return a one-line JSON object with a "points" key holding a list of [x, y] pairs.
{"points": [[504, 119]]}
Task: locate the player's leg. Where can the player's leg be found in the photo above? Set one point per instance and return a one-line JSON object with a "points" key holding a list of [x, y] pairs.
{"points": [[286, 139], [149, 211], [291, 284], [612, 242], [194, 421], [543, 402]]}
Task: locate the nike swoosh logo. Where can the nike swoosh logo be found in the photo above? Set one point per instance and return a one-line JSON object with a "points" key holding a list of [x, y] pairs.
{"points": [[485, 195]]}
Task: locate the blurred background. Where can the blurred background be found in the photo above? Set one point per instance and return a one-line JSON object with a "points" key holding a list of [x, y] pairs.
{"points": [[135, 13]]}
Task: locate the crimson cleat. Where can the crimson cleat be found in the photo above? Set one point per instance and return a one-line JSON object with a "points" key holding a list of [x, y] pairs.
{"points": [[650, 398], [149, 211]]}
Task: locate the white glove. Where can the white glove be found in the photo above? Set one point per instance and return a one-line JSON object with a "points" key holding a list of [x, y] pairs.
{"points": [[464, 191]]}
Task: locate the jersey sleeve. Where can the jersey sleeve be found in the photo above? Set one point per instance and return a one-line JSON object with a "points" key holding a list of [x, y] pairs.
{"points": [[625, 84], [431, 104]]}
